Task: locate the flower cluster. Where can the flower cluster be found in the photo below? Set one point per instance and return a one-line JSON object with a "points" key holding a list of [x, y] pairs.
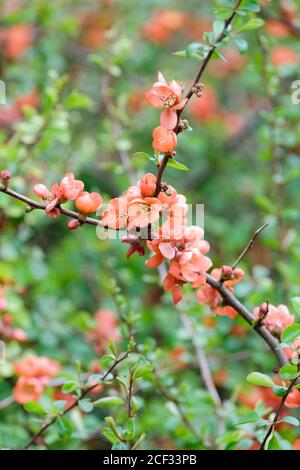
{"points": [[275, 319], [209, 295], [69, 189], [188, 263], [169, 96], [34, 375]]}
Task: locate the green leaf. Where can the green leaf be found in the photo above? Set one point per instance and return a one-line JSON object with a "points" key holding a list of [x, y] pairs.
{"points": [[273, 443], [289, 372], [77, 100], [70, 387], [251, 6], [110, 435], [119, 446], [296, 304], [242, 45], [142, 155], [106, 361], [257, 378], [251, 25], [65, 426], [108, 401], [112, 424], [279, 391], [35, 408], [221, 13], [291, 333], [179, 166], [227, 3], [290, 420], [130, 431], [247, 418], [218, 28], [85, 406]]}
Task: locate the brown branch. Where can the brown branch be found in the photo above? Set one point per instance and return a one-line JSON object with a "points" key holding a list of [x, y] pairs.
{"points": [[190, 93], [249, 245], [73, 405], [277, 415], [231, 300], [36, 205]]}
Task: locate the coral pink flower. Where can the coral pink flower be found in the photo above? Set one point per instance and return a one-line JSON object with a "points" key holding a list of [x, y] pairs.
{"points": [[210, 296], [166, 95], [87, 203], [163, 24], [52, 198], [28, 389], [170, 284], [142, 212], [284, 55], [70, 188], [34, 366], [277, 319], [164, 140], [116, 216], [16, 40], [148, 185], [293, 399]]}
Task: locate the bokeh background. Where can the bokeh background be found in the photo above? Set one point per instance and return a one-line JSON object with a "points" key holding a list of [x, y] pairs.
{"points": [[75, 74]]}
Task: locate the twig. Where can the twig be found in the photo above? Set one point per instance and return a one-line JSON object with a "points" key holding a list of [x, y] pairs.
{"points": [[36, 205], [75, 403], [190, 93], [249, 245], [231, 300], [277, 415]]}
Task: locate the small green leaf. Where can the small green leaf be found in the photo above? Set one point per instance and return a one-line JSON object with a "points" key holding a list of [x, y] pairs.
{"points": [[279, 391], [65, 426], [272, 443], [85, 406], [141, 155], [247, 418], [290, 333], [242, 45], [179, 166], [251, 25], [290, 420], [109, 434], [218, 27], [251, 6], [70, 387], [35, 408], [106, 361], [296, 304], [289, 372], [130, 431], [257, 378], [108, 401]]}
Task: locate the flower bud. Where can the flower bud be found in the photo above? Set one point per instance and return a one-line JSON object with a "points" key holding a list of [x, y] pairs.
{"points": [[5, 175], [73, 224]]}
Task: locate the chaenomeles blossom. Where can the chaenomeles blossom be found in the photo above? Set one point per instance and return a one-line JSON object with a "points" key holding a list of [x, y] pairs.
{"points": [[277, 319], [28, 389], [207, 295], [147, 185], [169, 96], [164, 140], [69, 189], [87, 203], [34, 373], [116, 216], [188, 263], [143, 212]]}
